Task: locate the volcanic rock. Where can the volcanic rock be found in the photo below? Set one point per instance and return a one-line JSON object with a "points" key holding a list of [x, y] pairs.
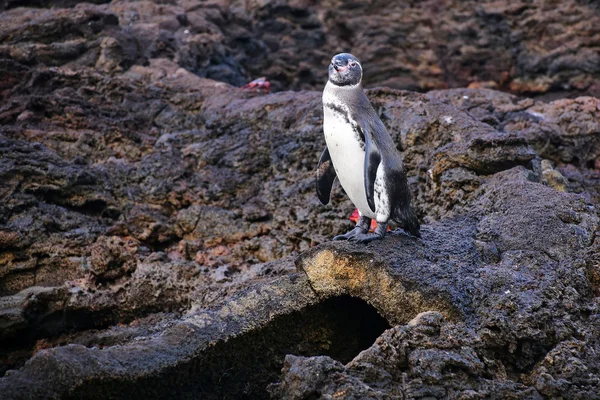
{"points": [[160, 235]]}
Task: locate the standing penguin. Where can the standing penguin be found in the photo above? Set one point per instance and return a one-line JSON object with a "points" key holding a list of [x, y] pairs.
{"points": [[363, 156]]}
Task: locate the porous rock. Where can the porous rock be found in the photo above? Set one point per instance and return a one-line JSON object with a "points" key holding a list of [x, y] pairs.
{"points": [[160, 234]]}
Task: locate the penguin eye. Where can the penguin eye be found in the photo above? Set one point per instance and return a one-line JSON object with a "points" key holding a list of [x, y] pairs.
{"points": [[352, 64]]}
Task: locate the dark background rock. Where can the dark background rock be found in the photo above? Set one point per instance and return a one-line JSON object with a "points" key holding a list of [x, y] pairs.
{"points": [[525, 47], [140, 189]]}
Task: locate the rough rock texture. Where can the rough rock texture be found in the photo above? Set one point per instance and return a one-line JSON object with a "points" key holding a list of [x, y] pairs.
{"points": [[510, 287], [532, 47], [508, 280], [160, 234], [563, 132]]}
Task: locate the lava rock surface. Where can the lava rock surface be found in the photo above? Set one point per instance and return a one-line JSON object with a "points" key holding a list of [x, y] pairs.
{"points": [[534, 47], [160, 233]]}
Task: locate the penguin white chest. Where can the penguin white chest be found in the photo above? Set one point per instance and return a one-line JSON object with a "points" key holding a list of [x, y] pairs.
{"points": [[348, 157]]}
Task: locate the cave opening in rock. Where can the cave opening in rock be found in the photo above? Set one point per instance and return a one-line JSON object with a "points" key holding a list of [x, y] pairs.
{"points": [[243, 367]]}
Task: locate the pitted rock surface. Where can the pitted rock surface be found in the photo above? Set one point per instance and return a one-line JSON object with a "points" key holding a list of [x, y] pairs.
{"points": [[525, 47], [158, 223]]}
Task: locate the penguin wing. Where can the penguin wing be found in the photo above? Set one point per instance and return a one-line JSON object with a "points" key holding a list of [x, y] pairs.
{"points": [[372, 161], [325, 176]]}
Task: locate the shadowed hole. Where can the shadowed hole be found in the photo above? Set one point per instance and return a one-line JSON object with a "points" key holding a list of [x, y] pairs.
{"points": [[243, 367]]}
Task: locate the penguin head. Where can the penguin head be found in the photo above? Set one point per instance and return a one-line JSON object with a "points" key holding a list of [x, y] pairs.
{"points": [[345, 70]]}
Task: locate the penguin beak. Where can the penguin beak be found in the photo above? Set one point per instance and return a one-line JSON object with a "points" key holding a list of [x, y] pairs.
{"points": [[339, 68]]}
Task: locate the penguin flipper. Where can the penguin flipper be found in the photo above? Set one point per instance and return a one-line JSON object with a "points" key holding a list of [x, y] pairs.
{"points": [[372, 161], [325, 177]]}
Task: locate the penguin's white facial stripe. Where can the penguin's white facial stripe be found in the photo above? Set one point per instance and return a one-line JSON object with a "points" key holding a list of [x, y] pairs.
{"points": [[361, 70]]}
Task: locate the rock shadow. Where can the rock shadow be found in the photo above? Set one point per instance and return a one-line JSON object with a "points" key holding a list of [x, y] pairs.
{"points": [[243, 366]]}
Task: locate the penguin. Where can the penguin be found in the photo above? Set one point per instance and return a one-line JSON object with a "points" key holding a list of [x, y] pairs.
{"points": [[362, 155]]}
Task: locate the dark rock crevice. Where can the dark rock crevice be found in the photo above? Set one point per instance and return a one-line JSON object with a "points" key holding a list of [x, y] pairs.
{"points": [[243, 366], [51, 317]]}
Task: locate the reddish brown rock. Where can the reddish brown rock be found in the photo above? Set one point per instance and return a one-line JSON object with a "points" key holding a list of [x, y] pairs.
{"points": [[112, 257], [526, 47], [152, 219]]}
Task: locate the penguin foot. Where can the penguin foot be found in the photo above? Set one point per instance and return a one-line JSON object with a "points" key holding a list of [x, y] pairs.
{"points": [[349, 235], [369, 237], [362, 227], [366, 237]]}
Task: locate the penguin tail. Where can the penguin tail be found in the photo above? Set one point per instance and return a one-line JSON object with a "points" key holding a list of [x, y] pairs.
{"points": [[407, 219]]}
